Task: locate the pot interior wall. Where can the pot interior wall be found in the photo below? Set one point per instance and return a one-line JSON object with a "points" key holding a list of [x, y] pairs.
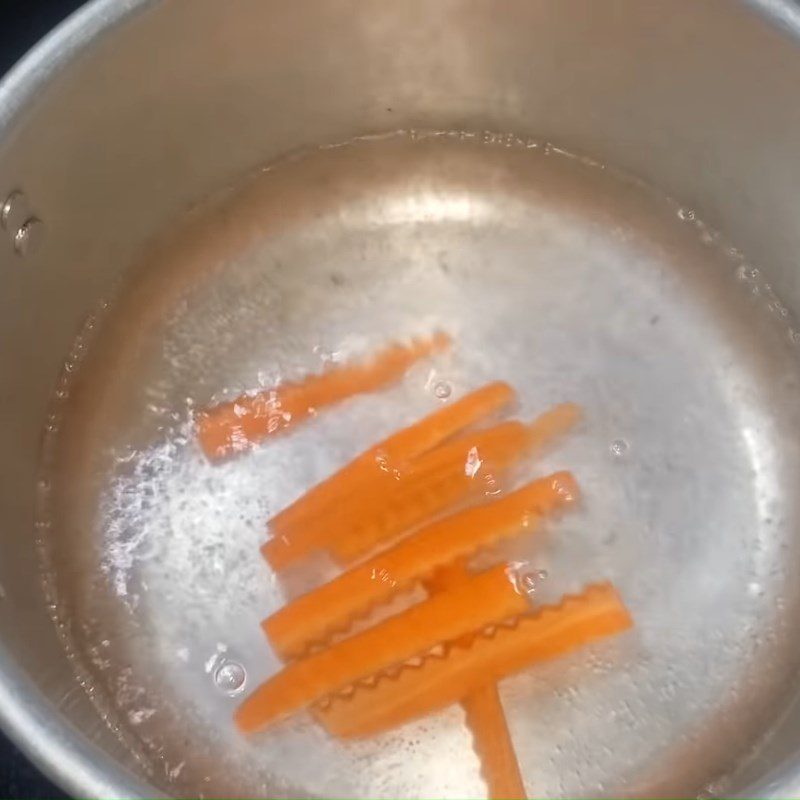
{"points": [[179, 100]]}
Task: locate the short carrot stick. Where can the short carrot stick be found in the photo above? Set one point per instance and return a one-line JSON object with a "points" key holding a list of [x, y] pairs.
{"points": [[442, 478], [441, 681], [311, 618], [485, 717], [235, 426], [489, 597], [492, 742], [292, 540]]}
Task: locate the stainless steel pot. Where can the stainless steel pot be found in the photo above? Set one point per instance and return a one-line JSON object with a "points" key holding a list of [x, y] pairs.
{"points": [[133, 110]]}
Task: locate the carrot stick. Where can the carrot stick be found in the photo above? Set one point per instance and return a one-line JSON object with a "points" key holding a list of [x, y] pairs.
{"points": [[450, 574], [441, 478], [436, 480], [387, 506], [486, 598], [398, 449], [485, 716], [492, 742], [312, 617], [234, 426], [440, 681], [289, 541]]}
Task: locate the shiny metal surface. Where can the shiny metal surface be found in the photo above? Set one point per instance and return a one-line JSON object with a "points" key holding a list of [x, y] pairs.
{"points": [[556, 274], [549, 273]]}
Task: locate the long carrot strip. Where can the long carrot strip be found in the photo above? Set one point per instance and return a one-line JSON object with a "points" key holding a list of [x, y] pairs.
{"points": [[417, 691], [486, 598], [492, 742], [484, 714], [436, 480], [388, 506], [234, 426], [451, 574], [312, 617], [442, 478], [292, 540]]}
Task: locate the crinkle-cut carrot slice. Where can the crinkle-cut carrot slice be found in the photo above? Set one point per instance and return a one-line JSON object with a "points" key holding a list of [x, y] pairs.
{"points": [[234, 426], [436, 480], [390, 504], [489, 597], [311, 618], [454, 572], [398, 449], [484, 714], [292, 539], [445, 476], [444, 679], [491, 740]]}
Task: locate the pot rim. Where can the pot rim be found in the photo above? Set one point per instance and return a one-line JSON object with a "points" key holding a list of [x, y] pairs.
{"points": [[62, 752]]}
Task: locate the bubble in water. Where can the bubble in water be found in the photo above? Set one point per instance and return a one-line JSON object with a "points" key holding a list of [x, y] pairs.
{"points": [[385, 465], [217, 659], [28, 237], [563, 489], [531, 580], [442, 390], [230, 677], [618, 448], [140, 715], [747, 273], [473, 463], [126, 456], [327, 356], [383, 575], [492, 488], [526, 579]]}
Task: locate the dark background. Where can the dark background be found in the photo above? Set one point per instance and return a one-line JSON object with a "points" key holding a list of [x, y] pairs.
{"points": [[22, 24]]}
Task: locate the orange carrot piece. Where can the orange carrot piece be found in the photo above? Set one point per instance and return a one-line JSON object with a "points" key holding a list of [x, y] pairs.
{"points": [[428, 489], [399, 448], [388, 505], [441, 478], [491, 739], [439, 682], [484, 714], [453, 573], [486, 598], [234, 426], [293, 540], [312, 617]]}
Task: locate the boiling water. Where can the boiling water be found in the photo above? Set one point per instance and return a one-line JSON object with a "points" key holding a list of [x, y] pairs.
{"points": [[559, 276]]}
